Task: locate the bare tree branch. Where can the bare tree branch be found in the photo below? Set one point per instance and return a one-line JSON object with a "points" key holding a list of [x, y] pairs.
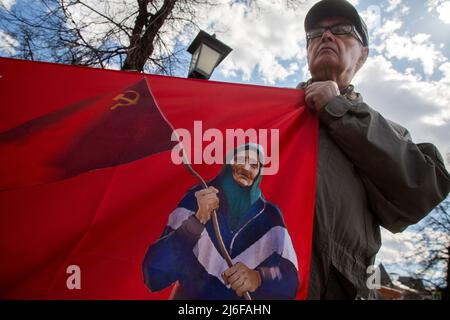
{"points": [[431, 255], [125, 34]]}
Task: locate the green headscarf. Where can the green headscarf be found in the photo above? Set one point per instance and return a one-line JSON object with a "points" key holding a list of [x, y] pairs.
{"points": [[240, 199]]}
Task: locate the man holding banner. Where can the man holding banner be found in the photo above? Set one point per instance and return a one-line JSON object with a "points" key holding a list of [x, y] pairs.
{"points": [[369, 172]]}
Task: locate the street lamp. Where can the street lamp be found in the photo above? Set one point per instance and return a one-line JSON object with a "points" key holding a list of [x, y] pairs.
{"points": [[207, 52]]}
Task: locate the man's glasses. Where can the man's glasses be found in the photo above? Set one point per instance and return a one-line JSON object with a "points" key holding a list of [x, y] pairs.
{"points": [[338, 29]]}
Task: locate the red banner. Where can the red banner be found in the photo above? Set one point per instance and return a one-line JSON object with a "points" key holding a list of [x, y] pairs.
{"points": [[89, 179]]}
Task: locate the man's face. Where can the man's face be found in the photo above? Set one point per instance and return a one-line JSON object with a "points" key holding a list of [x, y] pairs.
{"points": [[331, 56], [245, 167]]}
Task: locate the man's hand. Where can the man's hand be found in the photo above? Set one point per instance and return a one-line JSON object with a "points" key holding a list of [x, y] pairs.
{"points": [[319, 94], [207, 202], [242, 279]]}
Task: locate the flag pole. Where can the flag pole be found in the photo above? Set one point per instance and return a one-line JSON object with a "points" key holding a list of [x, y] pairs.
{"points": [[215, 221]]}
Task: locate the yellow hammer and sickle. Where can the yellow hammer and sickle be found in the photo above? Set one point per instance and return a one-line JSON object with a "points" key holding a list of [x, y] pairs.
{"points": [[126, 101]]}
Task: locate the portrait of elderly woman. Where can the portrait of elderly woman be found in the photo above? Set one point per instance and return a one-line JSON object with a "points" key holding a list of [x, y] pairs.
{"points": [[253, 230]]}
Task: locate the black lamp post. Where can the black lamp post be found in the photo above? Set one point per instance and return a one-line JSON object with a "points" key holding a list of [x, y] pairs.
{"points": [[207, 52]]}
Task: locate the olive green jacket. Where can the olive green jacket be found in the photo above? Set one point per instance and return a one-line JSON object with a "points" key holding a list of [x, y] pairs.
{"points": [[369, 174]]}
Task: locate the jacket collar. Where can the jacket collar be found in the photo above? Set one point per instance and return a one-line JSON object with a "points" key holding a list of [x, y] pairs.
{"points": [[349, 93]]}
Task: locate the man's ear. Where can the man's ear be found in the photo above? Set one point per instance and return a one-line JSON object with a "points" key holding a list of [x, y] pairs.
{"points": [[362, 59]]}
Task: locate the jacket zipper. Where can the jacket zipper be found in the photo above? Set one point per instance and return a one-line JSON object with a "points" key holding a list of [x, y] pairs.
{"points": [[237, 232]]}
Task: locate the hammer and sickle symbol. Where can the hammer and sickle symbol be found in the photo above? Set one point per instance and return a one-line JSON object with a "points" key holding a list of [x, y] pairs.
{"points": [[126, 101]]}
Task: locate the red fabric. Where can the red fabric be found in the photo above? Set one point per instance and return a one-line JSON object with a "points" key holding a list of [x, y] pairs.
{"points": [[93, 133], [104, 220]]}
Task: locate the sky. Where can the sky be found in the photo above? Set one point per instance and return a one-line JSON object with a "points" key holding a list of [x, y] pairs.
{"points": [[406, 77]]}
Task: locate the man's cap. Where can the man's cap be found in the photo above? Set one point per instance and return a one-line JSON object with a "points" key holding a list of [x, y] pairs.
{"points": [[337, 8]]}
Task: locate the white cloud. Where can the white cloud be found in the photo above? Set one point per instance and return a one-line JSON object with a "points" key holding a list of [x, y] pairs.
{"points": [[353, 2], [7, 43], [388, 28], [266, 38], [413, 48], [444, 12], [393, 4], [395, 247], [416, 47], [8, 4], [372, 18], [423, 107], [442, 7], [405, 10], [377, 20]]}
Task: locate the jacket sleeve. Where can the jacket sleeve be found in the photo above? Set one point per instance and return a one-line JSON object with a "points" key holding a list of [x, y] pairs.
{"points": [[163, 262], [404, 181], [279, 280], [279, 275]]}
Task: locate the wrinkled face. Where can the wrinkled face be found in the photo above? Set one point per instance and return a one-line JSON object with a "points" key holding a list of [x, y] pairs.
{"points": [[245, 167], [335, 54]]}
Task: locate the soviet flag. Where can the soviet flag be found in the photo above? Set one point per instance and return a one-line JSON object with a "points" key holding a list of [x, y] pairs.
{"points": [[88, 180], [97, 132]]}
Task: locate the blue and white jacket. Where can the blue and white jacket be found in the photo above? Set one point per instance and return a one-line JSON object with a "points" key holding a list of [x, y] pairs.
{"points": [[188, 252]]}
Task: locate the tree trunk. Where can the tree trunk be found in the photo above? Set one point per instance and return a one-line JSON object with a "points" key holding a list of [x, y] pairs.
{"points": [[142, 45]]}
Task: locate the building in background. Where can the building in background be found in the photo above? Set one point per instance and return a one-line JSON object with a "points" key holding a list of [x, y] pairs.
{"points": [[395, 287]]}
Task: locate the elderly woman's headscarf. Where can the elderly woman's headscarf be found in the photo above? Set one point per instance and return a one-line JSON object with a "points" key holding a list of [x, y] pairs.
{"points": [[240, 199]]}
